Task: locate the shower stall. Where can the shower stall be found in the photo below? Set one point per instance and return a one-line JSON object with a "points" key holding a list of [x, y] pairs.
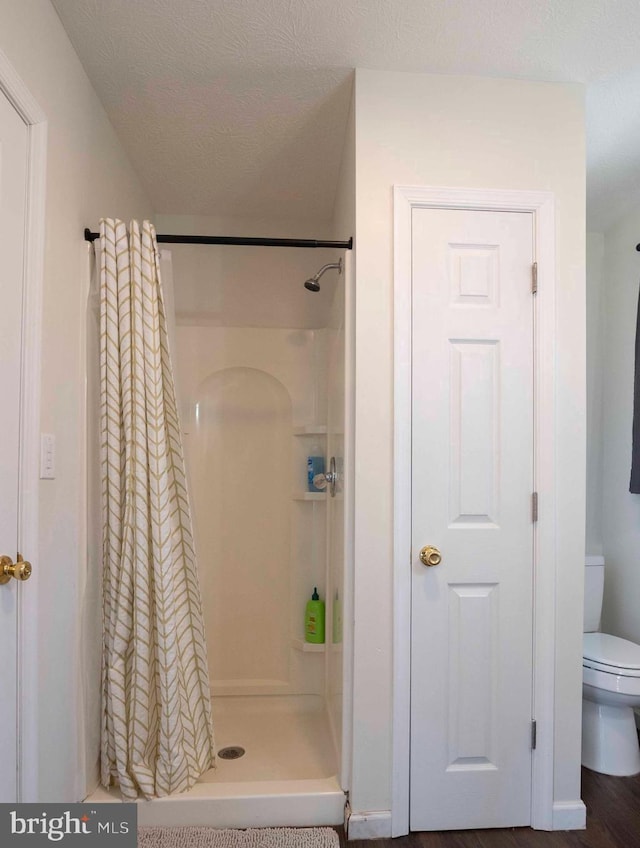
{"points": [[262, 377]]}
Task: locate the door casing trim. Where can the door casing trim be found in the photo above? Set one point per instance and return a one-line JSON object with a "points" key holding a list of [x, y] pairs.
{"points": [[20, 97], [542, 207]]}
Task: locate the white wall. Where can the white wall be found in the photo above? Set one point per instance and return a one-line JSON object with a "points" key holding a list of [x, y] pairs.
{"points": [[471, 132], [620, 509], [88, 176], [595, 318]]}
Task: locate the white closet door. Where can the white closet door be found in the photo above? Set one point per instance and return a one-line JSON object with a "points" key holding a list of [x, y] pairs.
{"points": [[472, 484]]}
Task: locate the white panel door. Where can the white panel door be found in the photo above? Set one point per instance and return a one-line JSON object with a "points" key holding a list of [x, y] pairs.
{"points": [[472, 483], [13, 182]]}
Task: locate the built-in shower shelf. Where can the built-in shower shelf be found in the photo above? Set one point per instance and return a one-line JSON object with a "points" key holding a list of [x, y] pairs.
{"points": [[310, 430], [309, 496], [307, 647]]}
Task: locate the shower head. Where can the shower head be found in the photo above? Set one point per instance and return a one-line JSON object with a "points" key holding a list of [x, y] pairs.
{"points": [[312, 283]]}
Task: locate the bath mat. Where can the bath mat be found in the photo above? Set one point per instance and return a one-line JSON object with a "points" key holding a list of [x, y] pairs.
{"points": [[211, 837]]}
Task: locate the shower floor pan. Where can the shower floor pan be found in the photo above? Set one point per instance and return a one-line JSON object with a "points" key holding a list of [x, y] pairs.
{"points": [[286, 777]]}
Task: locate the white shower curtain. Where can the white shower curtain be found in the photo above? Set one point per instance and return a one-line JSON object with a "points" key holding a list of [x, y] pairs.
{"points": [[157, 734]]}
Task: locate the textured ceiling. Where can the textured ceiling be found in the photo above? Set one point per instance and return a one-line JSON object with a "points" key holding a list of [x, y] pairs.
{"points": [[238, 107]]}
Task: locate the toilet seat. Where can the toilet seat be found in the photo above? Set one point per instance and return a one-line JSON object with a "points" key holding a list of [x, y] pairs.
{"points": [[611, 681], [611, 655]]}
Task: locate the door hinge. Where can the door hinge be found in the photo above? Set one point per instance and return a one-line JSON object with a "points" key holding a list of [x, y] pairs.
{"points": [[534, 506], [534, 278], [534, 734]]}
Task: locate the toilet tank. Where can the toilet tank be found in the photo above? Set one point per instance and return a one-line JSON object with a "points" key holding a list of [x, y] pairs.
{"points": [[593, 590]]}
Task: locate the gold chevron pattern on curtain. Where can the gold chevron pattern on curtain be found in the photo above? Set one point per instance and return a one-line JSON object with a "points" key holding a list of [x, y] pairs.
{"points": [[157, 733]]}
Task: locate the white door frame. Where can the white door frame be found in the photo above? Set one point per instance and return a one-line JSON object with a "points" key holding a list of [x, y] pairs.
{"points": [[541, 205], [28, 537]]}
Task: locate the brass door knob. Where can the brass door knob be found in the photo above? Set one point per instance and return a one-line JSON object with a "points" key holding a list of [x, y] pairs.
{"points": [[20, 569], [430, 555]]}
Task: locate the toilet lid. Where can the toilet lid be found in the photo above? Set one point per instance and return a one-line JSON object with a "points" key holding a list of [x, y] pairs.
{"points": [[602, 649]]}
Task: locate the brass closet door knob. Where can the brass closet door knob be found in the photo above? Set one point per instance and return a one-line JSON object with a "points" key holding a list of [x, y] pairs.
{"points": [[21, 569], [430, 556]]}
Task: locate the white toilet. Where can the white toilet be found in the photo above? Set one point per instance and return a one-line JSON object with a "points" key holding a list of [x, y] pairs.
{"points": [[610, 688]]}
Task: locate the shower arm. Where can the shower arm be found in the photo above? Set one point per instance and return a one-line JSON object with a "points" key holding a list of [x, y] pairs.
{"points": [[328, 267]]}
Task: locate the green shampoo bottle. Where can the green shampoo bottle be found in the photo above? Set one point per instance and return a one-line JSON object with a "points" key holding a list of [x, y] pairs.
{"points": [[314, 619]]}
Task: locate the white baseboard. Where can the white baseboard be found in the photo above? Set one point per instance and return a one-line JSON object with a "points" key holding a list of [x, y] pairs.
{"points": [[569, 815], [375, 825]]}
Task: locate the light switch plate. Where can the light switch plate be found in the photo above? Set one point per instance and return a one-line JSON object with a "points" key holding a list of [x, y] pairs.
{"points": [[47, 456]]}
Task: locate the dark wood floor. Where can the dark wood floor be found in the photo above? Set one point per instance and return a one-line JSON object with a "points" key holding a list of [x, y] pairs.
{"points": [[613, 821]]}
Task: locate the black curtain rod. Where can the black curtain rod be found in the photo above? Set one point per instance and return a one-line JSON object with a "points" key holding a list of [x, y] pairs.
{"points": [[258, 242]]}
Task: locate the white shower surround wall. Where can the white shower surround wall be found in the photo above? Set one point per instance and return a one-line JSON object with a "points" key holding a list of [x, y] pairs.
{"points": [[241, 380]]}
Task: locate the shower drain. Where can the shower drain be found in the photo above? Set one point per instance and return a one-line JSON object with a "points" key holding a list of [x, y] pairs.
{"points": [[231, 752]]}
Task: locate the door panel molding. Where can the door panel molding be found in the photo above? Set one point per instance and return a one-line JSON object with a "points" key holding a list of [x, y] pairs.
{"points": [[19, 95], [480, 286]]}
